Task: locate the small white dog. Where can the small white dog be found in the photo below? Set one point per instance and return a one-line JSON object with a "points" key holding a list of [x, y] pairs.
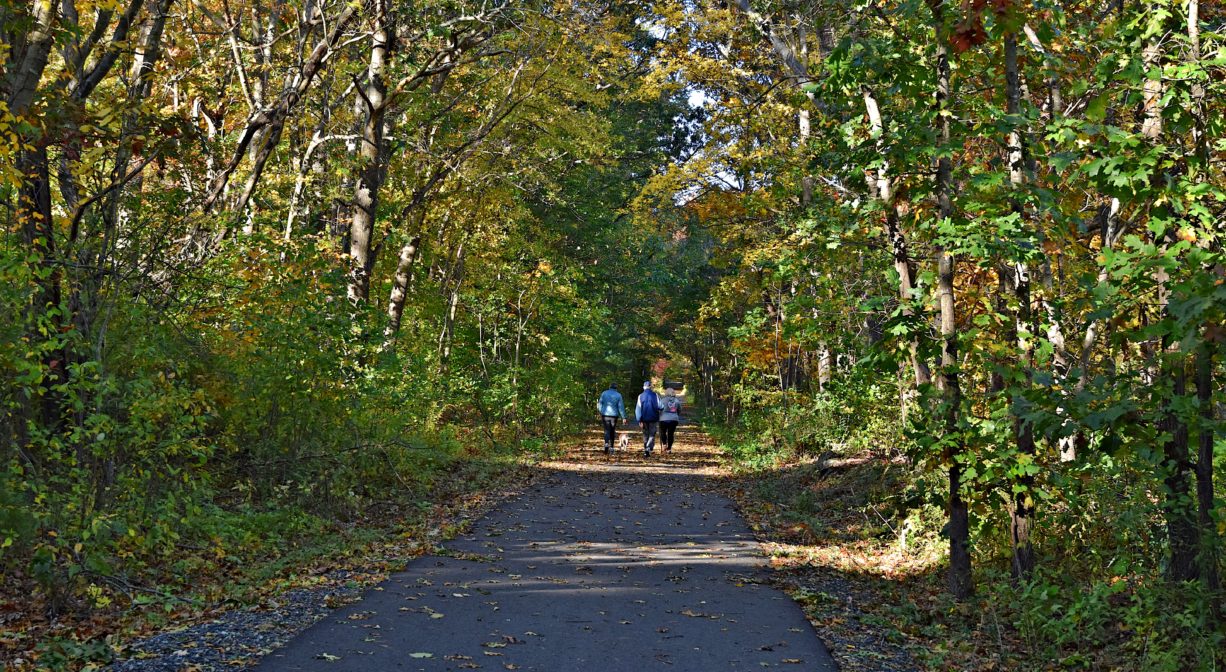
{"points": [[623, 441]]}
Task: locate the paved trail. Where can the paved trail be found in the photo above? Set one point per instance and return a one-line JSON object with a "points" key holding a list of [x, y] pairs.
{"points": [[605, 565]]}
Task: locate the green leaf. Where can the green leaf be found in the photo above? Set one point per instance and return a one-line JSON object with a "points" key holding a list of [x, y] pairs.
{"points": [[1096, 110]]}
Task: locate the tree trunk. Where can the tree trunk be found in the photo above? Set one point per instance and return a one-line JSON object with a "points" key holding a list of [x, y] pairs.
{"points": [[960, 582], [453, 303], [825, 365], [1178, 506], [1110, 233], [1209, 550], [1021, 509], [25, 65], [372, 156], [1152, 89], [35, 216], [1176, 469], [400, 290]]}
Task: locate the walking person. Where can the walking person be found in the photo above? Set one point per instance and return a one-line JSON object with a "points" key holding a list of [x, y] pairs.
{"points": [[647, 414], [610, 407], [670, 417]]}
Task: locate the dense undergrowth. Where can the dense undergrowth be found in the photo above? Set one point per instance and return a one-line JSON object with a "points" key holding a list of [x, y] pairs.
{"points": [[837, 497], [220, 449]]}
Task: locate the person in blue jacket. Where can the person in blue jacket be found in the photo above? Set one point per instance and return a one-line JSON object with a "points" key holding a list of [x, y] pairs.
{"points": [[647, 414], [610, 407]]}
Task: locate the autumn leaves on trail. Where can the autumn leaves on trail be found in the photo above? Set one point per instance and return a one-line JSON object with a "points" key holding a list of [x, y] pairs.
{"points": [[695, 454]]}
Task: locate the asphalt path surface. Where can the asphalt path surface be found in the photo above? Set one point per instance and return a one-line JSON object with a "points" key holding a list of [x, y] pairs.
{"points": [[608, 563]]}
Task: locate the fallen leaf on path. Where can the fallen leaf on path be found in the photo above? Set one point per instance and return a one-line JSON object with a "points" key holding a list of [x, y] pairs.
{"points": [[695, 614]]}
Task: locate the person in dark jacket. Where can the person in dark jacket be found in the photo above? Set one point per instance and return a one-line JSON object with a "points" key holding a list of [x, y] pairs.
{"points": [[610, 407], [647, 414]]}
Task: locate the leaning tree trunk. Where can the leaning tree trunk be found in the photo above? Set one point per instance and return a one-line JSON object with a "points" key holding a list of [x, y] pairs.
{"points": [[884, 187], [400, 289], [27, 59], [260, 123]]}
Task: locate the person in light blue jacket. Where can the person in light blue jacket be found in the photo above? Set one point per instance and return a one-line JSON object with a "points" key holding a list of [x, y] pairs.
{"points": [[610, 407]]}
